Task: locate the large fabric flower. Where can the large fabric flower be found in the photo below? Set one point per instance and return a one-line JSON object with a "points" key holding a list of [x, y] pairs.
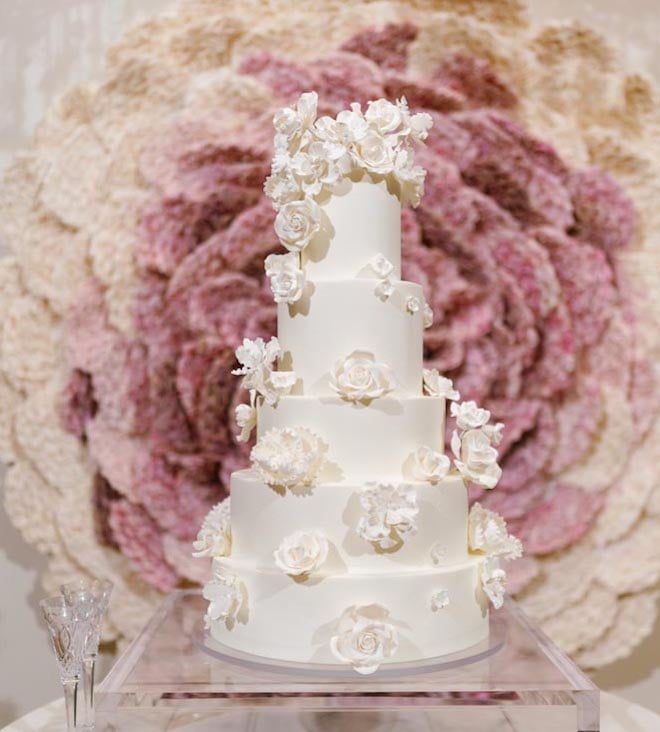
{"points": [[138, 229]]}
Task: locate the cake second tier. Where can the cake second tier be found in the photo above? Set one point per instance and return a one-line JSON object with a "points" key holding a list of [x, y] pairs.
{"points": [[366, 442], [337, 318]]}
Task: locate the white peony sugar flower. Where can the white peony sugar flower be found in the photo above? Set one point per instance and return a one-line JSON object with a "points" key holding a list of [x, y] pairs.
{"points": [[359, 377], [214, 537], [287, 279], [289, 457], [390, 514], [487, 534], [365, 638], [302, 552]]}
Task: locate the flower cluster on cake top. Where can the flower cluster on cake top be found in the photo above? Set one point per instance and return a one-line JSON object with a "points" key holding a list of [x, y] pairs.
{"points": [[313, 155]]}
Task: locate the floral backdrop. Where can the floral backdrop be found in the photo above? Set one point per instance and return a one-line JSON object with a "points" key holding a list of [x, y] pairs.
{"points": [[137, 228]]}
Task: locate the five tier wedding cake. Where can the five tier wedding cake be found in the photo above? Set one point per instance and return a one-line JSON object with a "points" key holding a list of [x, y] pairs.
{"points": [[349, 541]]}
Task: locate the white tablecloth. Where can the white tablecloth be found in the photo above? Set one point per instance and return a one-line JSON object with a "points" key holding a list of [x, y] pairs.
{"points": [[617, 715]]}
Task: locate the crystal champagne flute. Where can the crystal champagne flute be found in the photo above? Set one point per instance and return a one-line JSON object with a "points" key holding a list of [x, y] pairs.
{"points": [[67, 633], [89, 599]]}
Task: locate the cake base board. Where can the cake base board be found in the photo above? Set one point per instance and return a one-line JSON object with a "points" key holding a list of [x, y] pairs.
{"points": [[168, 680], [224, 653]]}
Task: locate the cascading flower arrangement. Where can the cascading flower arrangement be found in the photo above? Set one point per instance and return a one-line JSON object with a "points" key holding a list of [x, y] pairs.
{"points": [[138, 228]]}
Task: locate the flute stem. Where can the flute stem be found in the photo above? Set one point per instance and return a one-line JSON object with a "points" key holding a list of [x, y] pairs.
{"points": [[89, 665], [70, 687]]}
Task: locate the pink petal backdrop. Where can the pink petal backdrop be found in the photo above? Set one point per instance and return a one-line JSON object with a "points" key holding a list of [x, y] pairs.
{"points": [[139, 229]]}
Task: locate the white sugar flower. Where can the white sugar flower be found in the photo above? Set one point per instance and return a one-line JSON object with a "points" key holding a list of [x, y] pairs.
{"points": [[351, 124], [297, 222], [289, 457], [385, 288], [413, 304], [337, 138], [246, 417], [439, 386], [359, 377], [302, 552], [257, 358], [214, 537], [252, 355], [476, 458], [439, 554], [429, 465], [287, 279], [282, 381], [225, 596], [494, 432], [293, 123], [282, 188], [420, 124], [383, 116], [365, 638], [439, 600], [410, 177], [493, 581], [428, 315], [374, 154], [390, 514], [315, 169], [381, 266], [487, 534], [469, 416]]}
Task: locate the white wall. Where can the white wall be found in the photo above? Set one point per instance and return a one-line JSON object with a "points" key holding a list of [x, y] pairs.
{"points": [[45, 46]]}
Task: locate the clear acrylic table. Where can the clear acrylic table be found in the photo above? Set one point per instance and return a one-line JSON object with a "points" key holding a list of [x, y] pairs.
{"points": [[172, 678]]}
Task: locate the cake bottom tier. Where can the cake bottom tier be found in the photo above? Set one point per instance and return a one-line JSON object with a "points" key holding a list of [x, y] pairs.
{"points": [[291, 620]]}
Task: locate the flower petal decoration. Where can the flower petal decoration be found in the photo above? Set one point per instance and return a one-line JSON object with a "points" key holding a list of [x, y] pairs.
{"points": [[137, 228]]}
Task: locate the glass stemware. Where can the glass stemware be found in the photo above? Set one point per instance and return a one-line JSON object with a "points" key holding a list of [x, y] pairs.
{"points": [[89, 600], [67, 635]]}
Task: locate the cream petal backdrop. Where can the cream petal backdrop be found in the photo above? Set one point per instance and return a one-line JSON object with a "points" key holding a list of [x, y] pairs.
{"points": [[140, 198]]}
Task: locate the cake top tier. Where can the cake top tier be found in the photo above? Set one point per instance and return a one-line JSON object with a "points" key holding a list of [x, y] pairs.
{"points": [[338, 183], [313, 156]]}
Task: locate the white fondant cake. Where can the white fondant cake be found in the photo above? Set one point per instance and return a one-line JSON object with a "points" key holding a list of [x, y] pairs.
{"points": [[349, 541]]}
